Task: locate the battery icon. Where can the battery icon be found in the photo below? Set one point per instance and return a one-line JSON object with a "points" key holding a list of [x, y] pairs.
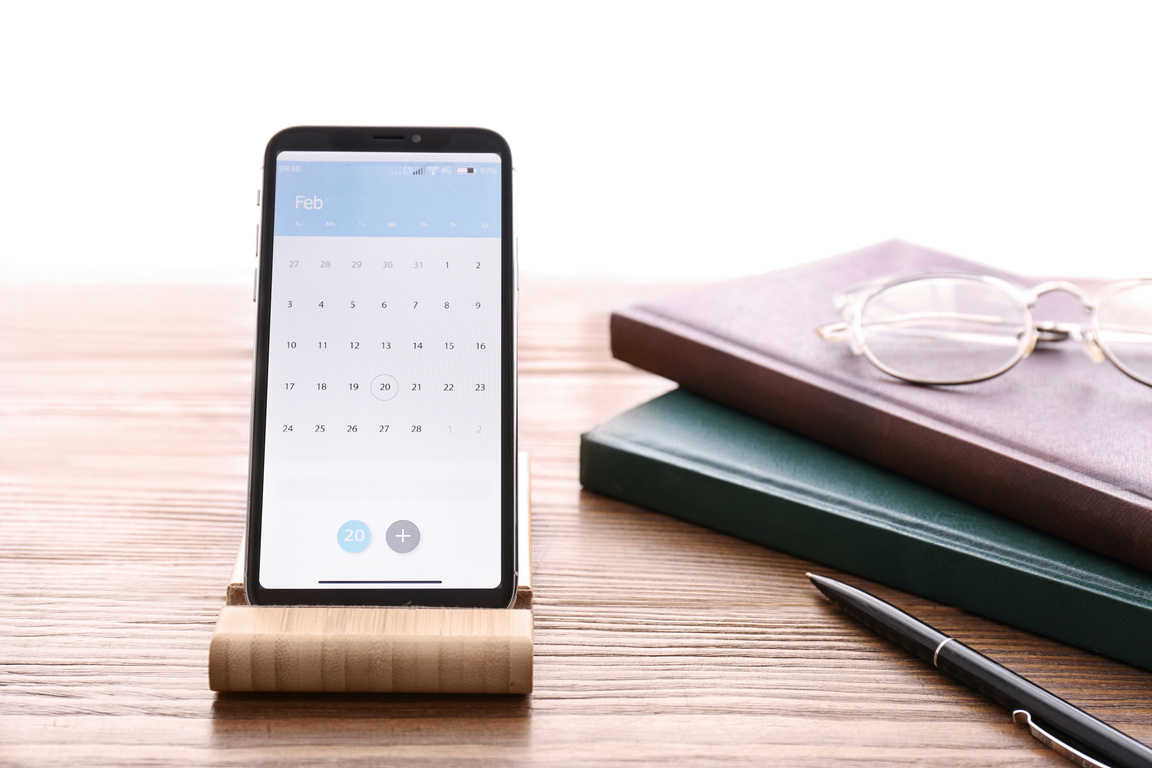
{"points": [[463, 169]]}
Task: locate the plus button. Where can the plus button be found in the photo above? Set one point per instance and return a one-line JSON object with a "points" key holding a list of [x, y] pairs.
{"points": [[402, 536]]}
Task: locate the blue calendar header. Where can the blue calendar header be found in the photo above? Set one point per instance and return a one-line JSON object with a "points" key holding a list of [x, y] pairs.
{"points": [[387, 195]]}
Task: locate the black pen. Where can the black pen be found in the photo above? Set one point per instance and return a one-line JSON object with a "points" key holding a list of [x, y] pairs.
{"points": [[1070, 731]]}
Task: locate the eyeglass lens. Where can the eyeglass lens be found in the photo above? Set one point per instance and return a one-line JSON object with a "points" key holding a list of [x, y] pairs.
{"points": [[945, 330], [1124, 330]]}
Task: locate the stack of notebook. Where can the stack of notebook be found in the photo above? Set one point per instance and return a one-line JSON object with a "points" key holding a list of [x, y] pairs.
{"points": [[1026, 498]]}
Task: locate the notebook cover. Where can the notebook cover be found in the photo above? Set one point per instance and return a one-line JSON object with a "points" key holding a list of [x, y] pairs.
{"points": [[1058, 442], [694, 459]]}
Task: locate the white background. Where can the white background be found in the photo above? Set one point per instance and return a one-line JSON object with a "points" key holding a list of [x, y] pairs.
{"points": [[652, 141]]}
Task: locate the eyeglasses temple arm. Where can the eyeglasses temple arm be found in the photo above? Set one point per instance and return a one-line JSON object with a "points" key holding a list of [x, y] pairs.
{"points": [[833, 331]]}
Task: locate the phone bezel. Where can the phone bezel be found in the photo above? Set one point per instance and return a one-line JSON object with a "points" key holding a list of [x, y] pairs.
{"points": [[388, 139]]}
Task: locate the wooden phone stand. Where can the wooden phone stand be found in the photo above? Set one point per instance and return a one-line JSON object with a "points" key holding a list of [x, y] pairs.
{"points": [[378, 650]]}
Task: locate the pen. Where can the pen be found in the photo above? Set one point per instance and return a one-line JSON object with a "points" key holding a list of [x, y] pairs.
{"points": [[1068, 730]]}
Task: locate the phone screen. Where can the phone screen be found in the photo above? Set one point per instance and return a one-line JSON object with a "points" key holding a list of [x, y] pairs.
{"points": [[383, 424]]}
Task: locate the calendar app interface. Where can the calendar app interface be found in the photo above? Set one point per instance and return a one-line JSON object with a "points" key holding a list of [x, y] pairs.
{"points": [[383, 425]]}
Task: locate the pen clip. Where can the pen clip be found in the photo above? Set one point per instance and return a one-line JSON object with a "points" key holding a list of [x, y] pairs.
{"points": [[1053, 743]]}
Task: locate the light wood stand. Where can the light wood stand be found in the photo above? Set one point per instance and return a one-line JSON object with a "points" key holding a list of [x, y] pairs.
{"points": [[379, 650]]}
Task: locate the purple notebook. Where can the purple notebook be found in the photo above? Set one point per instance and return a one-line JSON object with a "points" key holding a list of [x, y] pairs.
{"points": [[1058, 442]]}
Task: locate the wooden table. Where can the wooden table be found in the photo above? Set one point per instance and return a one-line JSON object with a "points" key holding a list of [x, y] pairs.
{"points": [[124, 416]]}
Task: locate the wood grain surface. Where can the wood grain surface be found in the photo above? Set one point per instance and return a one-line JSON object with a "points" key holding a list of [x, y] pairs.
{"points": [[124, 417]]}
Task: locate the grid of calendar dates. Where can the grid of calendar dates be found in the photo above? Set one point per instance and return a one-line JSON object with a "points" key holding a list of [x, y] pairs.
{"points": [[384, 349]]}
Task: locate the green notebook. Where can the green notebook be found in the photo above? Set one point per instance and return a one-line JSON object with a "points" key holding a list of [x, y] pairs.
{"points": [[699, 461]]}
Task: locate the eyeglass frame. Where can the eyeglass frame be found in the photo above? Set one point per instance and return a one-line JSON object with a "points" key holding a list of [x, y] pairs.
{"points": [[851, 304]]}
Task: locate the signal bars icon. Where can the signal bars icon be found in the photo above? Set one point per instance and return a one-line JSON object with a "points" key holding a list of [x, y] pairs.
{"points": [[430, 170]]}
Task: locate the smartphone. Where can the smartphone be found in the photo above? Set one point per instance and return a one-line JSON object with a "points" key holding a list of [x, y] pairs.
{"points": [[383, 453]]}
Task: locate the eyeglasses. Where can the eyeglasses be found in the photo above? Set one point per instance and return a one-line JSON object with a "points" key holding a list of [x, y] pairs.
{"points": [[956, 328]]}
